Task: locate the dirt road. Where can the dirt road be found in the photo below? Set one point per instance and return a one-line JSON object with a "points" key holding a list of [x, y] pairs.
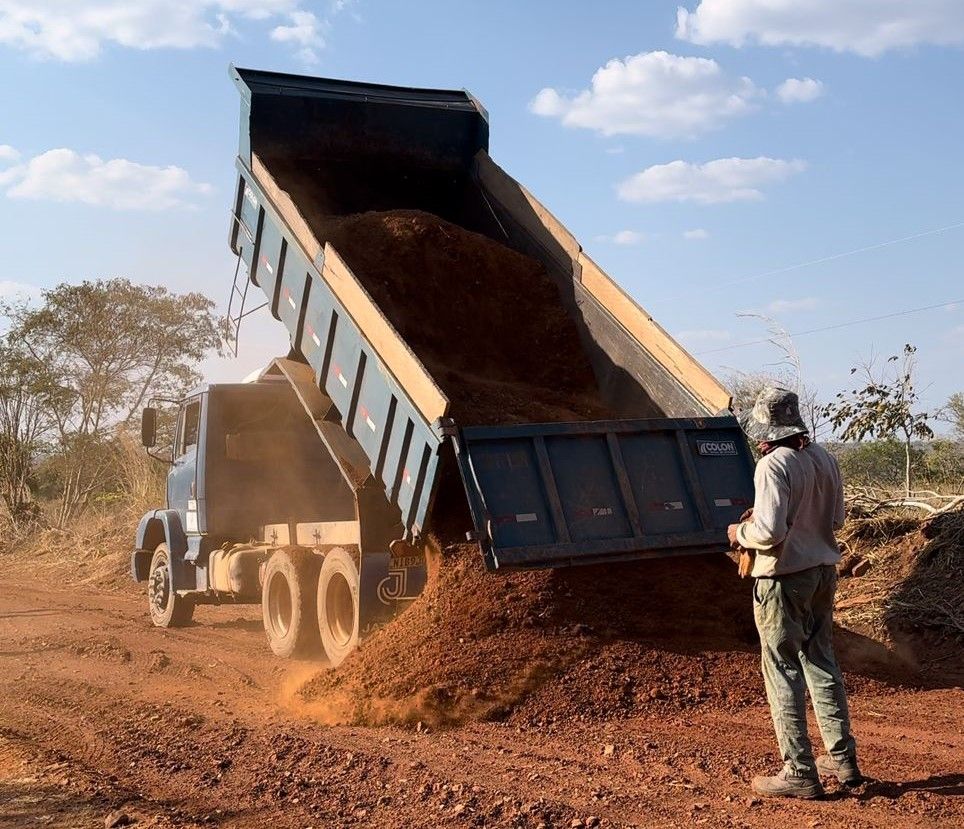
{"points": [[197, 727]]}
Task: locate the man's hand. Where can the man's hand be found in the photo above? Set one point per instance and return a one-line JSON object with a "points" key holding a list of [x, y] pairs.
{"points": [[732, 529]]}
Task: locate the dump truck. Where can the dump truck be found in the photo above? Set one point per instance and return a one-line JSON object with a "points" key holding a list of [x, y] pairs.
{"points": [[310, 487]]}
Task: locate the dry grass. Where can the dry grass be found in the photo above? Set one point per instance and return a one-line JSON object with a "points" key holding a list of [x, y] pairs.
{"points": [[95, 548], [915, 581]]}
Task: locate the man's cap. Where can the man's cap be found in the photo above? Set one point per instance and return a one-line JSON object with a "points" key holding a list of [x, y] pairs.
{"points": [[774, 416]]}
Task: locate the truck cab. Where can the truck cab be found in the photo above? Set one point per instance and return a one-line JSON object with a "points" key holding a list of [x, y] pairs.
{"points": [[249, 477]]}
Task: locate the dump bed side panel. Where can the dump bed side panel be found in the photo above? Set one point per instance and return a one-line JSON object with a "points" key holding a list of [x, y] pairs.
{"points": [[579, 493], [381, 397]]}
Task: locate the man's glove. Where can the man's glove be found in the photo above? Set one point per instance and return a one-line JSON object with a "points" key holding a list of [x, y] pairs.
{"points": [[743, 557]]}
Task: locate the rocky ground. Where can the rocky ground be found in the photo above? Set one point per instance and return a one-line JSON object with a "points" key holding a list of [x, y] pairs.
{"points": [[103, 717]]}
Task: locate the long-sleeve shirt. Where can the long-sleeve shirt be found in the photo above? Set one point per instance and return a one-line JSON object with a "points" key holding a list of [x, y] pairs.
{"points": [[798, 506]]}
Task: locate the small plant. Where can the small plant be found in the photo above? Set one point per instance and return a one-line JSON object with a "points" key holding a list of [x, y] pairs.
{"points": [[885, 408]]}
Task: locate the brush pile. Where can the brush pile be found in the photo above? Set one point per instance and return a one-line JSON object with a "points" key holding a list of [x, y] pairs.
{"points": [[906, 575]]}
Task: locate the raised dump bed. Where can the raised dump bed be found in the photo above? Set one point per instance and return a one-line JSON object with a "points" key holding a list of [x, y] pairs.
{"points": [[434, 299]]}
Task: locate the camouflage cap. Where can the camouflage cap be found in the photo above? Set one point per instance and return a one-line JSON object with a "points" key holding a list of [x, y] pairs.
{"points": [[774, 416]]}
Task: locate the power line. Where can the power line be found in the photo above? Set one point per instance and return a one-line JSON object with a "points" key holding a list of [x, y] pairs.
{"points": [[832, 257], [836, 326]]}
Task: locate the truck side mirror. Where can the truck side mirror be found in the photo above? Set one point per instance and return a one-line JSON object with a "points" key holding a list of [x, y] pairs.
{"points": [[149, 427]]}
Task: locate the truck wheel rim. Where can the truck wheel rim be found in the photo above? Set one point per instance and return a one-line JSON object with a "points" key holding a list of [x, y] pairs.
{"points": [[279, 604], [159, 589], [340, 609]]}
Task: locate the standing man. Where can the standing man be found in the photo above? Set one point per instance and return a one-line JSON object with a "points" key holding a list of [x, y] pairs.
{"points": [[798, 506]]}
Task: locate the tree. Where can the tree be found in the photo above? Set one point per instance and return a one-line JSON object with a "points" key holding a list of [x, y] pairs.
{"points": [[26, 402], [874, 463], [953, 412], [103, 348], [884, 408]]}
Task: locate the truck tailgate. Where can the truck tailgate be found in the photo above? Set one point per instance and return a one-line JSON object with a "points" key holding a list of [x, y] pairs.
{"points": [[549, 495]]}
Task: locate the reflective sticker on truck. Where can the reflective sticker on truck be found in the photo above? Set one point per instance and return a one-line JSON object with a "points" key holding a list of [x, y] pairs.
{"points": [[366, 416]]}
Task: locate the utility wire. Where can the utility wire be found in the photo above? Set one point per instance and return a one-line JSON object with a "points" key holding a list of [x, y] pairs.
{"points": [[836, 326], [832, 257]]}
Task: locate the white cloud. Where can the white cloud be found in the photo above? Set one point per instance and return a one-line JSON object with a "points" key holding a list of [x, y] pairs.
{"points": [[63, 175], [624, 237], [785, 306], [76, 30], [704, 335], [799, 90], [654, 94], [722, 180], [629, 237], [8, 153], [696, 233], [305, 31], [867, 27]]}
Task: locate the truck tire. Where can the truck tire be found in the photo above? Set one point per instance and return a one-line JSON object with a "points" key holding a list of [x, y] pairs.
{"points": [[338, 605], [167, 609], [288, 597]]}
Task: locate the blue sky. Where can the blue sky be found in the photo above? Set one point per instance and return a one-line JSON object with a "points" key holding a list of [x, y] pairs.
{"points": [[692, 152]]}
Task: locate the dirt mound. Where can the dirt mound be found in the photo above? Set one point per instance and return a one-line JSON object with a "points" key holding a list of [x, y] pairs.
{"points": [[586, 643], [903, 584], [547, 646], [485, 320]]}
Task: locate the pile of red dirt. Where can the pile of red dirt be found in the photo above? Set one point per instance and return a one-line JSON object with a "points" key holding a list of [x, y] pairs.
{"points": [[486, 321], [552, 645]]}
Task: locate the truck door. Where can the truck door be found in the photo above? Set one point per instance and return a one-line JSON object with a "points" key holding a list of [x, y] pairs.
{"points": [[181, 480]]}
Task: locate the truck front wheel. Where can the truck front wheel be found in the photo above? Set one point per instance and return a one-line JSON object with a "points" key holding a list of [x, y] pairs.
{"points": [[338, 605], [288, 602], [167, 609]]}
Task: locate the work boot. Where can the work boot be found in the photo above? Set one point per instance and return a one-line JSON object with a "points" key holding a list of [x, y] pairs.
{"points": [[845, 771], [788, 784]]}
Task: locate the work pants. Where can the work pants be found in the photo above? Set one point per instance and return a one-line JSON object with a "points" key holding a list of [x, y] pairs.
{"points": [[794, 616]]}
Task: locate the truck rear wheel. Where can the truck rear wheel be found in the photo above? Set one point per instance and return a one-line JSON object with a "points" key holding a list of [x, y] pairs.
{"points": [[288, 598], [338, 605], [167, 609]]}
